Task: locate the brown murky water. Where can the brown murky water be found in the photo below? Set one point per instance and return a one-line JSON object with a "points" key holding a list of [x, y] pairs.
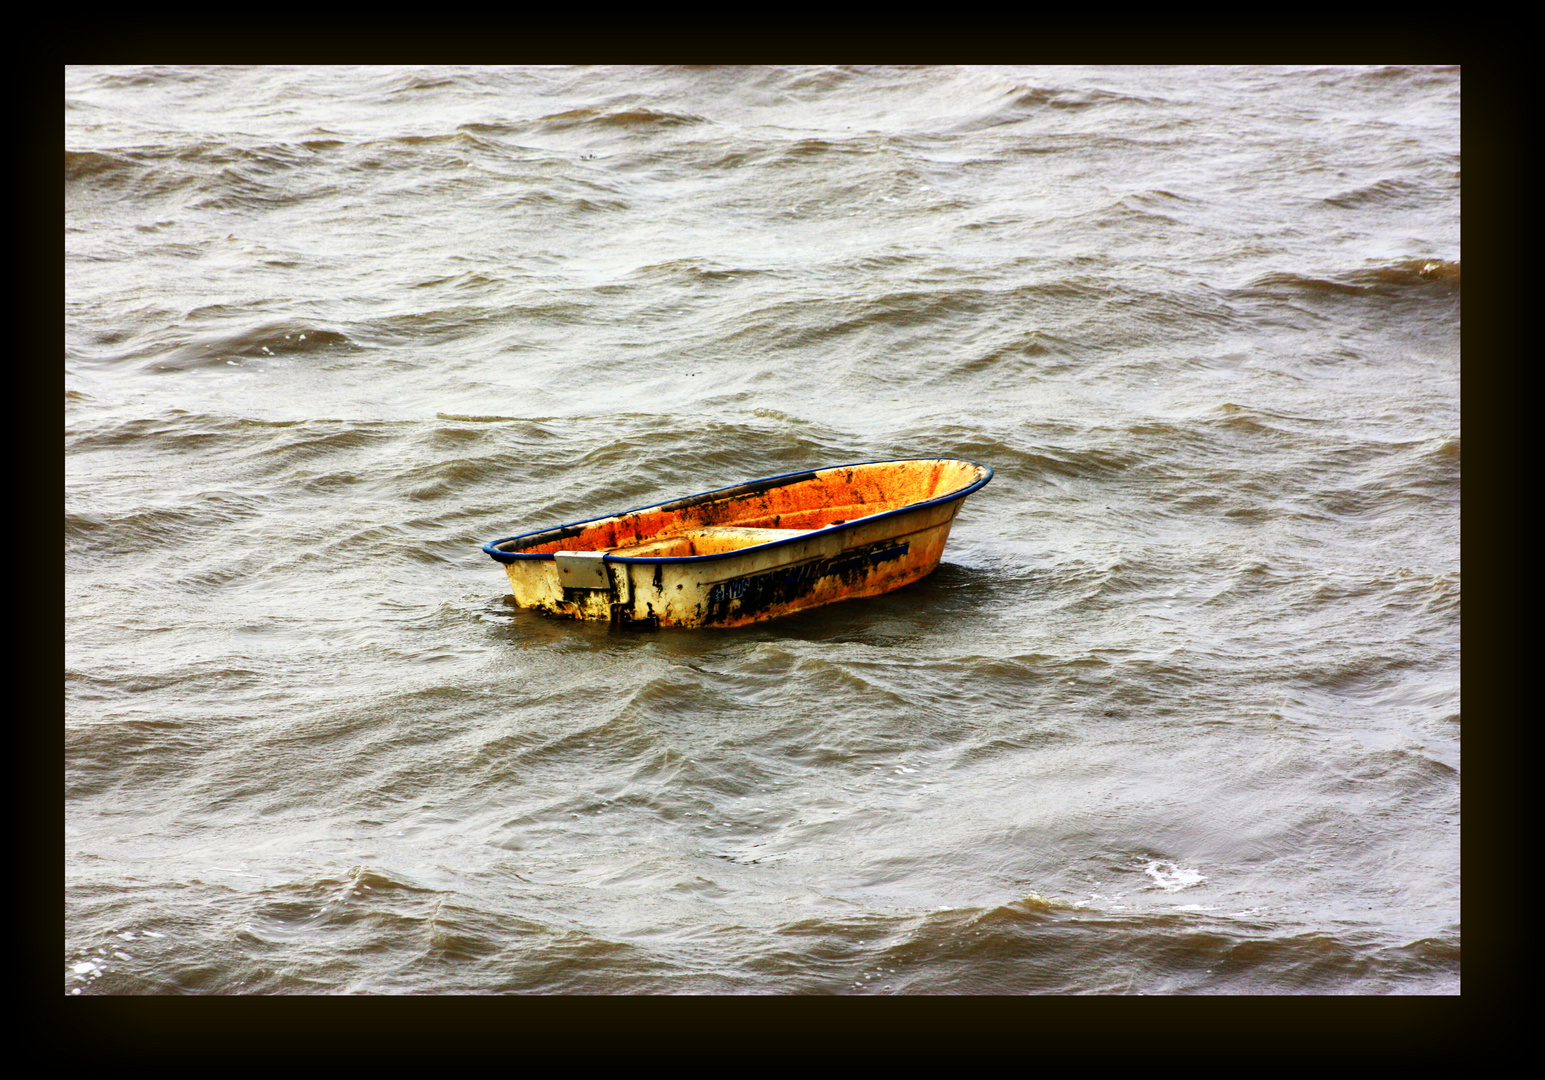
{"points": [[1179, 712]]}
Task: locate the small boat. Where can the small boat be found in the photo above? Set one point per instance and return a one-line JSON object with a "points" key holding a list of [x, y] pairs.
{"points": [[749, 552]]}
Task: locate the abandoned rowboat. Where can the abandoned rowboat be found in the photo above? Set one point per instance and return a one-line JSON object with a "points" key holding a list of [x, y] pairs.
{"points": [[746, 553]]}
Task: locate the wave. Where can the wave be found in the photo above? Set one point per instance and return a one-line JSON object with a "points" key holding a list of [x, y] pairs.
{"points": [[1395, 279], [275, 339], [156, 75], [411, 83], [1023, 946], [163, 528], [84, 164], [700, 272], [635, 120], [1042, 97], [1394, 193]]}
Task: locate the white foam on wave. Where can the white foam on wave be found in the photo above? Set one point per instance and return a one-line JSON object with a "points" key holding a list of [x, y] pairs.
{"points": [[1172, 877]]}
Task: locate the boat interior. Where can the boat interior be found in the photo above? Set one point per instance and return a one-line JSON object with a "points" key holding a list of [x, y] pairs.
{"points": [[759, 512]]}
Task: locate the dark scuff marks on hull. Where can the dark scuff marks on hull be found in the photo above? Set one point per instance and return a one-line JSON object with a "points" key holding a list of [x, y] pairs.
{"points": [[750, 596]]}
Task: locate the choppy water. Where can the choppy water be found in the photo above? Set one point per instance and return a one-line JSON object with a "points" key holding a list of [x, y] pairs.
{"points": [[1178, 713]]}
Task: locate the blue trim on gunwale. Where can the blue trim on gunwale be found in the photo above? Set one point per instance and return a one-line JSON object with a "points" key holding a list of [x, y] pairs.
{"points": [[489, 548]]}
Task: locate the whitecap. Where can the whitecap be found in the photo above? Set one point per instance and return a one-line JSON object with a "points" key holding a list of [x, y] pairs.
{"points": [[1172, 877]]}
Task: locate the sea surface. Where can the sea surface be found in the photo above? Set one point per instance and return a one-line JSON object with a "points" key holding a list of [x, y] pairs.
{"points": [[1177, 714]]}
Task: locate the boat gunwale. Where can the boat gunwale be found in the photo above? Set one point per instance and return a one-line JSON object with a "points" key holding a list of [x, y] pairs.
{"points": [[749, 487]]}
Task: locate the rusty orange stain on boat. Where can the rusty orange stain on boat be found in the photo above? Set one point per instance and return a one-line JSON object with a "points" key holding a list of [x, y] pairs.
{"points": [[749, 552]]}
